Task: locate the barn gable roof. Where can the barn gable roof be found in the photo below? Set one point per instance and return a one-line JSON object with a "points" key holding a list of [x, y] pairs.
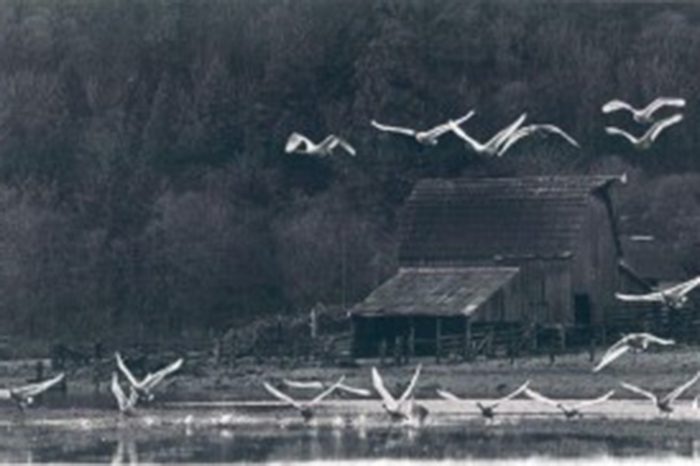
{"points": [[435, 291], [448, 221]]}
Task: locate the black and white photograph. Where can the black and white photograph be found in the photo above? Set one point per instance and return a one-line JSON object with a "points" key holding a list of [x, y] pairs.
{"points": [[377, 232]]}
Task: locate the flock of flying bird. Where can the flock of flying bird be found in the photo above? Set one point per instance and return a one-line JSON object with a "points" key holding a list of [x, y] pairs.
{"points": [[504, 139], [139, 389], [405, 409]]}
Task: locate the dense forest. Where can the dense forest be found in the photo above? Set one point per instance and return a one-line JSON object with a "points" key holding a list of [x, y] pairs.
{"points": [[143, 181]]}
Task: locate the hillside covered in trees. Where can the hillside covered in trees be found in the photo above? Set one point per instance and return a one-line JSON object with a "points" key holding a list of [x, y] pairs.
{"points": [[143, 182]]}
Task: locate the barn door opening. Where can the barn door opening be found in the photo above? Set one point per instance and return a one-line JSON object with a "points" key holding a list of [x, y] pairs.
{"points": [[582, 309]]}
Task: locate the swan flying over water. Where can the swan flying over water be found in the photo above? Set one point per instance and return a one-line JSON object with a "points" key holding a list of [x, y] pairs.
{"points": [[125, 404], [428, 137], [645, 141], [305, 408], [404, 408], [318, 385], [487, 409], [24, 396], [664, 403], [570, 411], [145, 386], [674, 297], [634, 341], [643, 115]]}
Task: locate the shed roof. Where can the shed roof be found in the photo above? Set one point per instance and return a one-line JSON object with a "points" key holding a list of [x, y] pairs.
{"points": [[440, 291], [445, 221]]}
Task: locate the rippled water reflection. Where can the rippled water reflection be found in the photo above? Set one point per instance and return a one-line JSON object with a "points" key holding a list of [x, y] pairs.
{"points": [[220, 436]]}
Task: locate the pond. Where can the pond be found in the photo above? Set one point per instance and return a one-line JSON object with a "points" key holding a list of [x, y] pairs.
{"points": [[274, 434]]}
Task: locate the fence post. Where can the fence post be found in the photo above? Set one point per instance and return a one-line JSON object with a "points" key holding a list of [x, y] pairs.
{"points": [[411, 340], [467, 339], [438, 336]]}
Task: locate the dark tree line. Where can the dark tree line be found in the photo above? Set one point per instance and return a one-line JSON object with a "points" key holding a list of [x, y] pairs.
{"points": [[143, 186]]}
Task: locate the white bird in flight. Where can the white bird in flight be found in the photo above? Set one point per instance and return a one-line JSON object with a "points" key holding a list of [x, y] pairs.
{"points": [[643, 115], [634, 341], [24, 396], [404, 408], [664, 403], [428, 137], [318, 385], [125, 404], [645, 141], [144, 387], [570, 411], [674, 297], [305, 408], [487, 410], [493, 145], [296, 143], [528, 130]]}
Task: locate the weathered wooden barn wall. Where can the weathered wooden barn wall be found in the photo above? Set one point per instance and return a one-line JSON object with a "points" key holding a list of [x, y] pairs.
{"points": [[596, 275]]}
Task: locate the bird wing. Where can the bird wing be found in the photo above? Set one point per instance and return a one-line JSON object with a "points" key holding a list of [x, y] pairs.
{"points": [[662, 102], [617, 131], [594, 401], [327, 391], [505, 133], [315, 384], [448, 396], [122, 400], [513, 138], [36, 388], [380, 388], [615, 105], [394, 129], [154, 379], [683, 288], [282, 396], [659, 341], [125, 370], [649, 297], [639, 391], [294, 141], [558, 131], [661, 125], [530, 129], [354, 390], [5, 394], [455, 128], [439, 130], [346, 145], [679, 391], [541, 398], [610, 356], [513, 394], [621, 342], [411, 386]]}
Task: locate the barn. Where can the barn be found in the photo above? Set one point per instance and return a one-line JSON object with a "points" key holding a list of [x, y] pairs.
{"points": [[498, 251]]}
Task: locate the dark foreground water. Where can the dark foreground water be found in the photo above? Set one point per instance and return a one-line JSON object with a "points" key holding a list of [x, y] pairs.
{"points": [[218, 435]]}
